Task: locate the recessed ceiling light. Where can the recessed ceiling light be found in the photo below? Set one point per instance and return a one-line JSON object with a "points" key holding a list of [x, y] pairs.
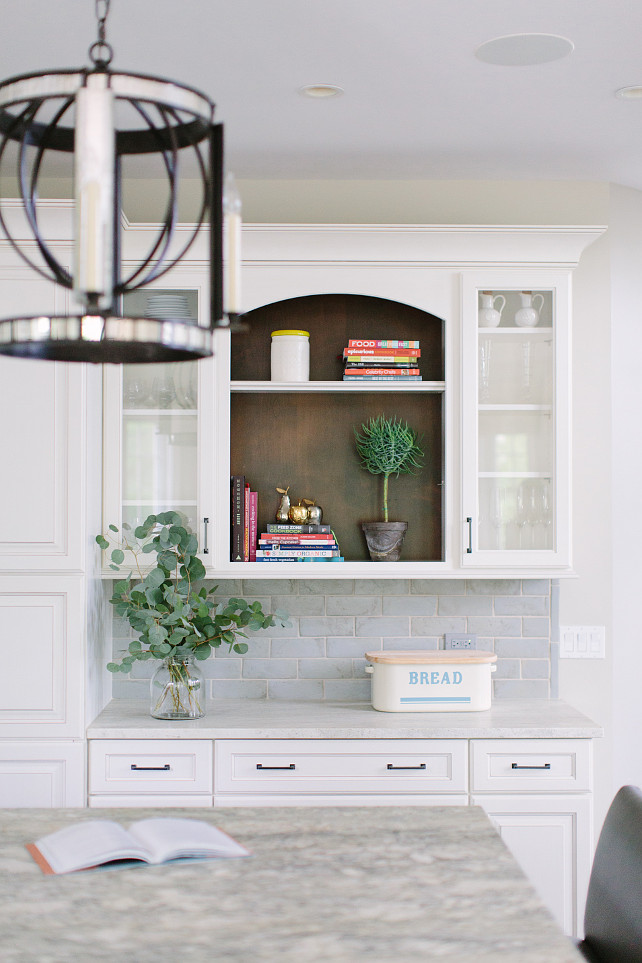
{"points": [[524, 49], [321, 90], [629, 93]]}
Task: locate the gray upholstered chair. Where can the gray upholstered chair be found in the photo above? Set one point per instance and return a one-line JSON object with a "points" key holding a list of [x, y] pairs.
{"points": [[613, 917]]}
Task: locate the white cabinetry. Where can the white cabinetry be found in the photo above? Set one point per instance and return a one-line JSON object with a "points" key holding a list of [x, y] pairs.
{"points": [[159, 426], [538, 794], [340, 772], [50, 495], [495, 498], [153, 772], [516, 421]]}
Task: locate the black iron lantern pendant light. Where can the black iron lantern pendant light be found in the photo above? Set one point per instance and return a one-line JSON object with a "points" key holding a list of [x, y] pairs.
{"points": [[162, 118]]}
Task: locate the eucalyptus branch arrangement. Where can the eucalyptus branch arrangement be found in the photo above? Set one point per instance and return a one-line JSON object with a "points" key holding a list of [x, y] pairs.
{"points": [[173, 616], [388, 446]]}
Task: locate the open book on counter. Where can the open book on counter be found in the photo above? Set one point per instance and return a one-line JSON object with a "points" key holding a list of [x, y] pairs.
{"points": [[97, 842]]}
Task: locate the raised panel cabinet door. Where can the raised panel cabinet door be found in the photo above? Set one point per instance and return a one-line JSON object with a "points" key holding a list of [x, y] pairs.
{"points": [[41, 775], [42, 656], [550, 837], [42, 443]]}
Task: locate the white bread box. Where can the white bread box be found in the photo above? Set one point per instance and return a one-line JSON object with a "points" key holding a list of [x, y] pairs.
{"points": [[438, 681]]}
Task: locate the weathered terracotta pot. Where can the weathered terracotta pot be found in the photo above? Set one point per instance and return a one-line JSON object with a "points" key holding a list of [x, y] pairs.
{"points": [[384, 540]]}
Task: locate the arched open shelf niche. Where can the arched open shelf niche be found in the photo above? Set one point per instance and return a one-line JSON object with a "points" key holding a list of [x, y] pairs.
{"points": [[304, 438]]}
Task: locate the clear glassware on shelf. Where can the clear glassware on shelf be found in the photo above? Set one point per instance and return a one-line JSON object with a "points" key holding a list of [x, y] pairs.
{"points": [[498, 514], [521, 515], [186, 384], [484, 370], [135, 387], [546, 512], [527, 372], [163, 389]]}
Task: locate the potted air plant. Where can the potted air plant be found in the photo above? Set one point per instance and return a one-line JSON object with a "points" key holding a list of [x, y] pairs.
{"points": [[387, 446]]}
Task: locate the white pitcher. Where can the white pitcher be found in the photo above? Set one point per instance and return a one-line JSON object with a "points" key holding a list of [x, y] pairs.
{"points": [[489, 315], [528, 315]]}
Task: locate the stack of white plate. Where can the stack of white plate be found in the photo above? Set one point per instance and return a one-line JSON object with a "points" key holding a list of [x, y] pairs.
{"points": [[168, 307]]}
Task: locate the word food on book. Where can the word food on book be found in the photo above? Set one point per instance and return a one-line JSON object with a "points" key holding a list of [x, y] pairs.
{"points": [[89, 844]]}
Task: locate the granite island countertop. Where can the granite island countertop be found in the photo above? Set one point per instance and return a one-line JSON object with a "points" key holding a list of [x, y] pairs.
{"points": [[322, 886], [265, 719]]}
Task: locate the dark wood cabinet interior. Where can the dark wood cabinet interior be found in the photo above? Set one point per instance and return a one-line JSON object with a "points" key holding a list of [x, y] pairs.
{"points": [[305, 439]]}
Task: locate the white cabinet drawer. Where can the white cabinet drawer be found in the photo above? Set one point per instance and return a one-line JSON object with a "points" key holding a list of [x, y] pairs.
{"points": [[530, 765], [325, 766], [150, 766]]}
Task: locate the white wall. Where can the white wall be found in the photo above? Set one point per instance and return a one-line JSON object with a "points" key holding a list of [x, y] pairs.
{"points": [[626, 345]]}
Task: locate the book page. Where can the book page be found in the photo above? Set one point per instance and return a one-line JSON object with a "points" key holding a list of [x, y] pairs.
{"points": [[88, 844], [172, 838]]}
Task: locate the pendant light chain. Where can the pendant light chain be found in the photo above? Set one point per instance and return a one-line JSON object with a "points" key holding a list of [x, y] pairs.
{"points": [[101, 53]]}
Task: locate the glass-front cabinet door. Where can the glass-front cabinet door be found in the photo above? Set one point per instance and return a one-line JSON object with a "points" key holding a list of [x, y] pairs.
{"points": [[156, 430], [515, 428]]}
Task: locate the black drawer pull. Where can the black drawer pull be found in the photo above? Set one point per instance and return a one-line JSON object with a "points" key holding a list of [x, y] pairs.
{"points": [[515, 765], [260, 765], [164, 768], [422, 765]]}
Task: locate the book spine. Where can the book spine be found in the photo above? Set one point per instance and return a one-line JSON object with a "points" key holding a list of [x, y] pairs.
{"points": [[382, 378], [376, 352], [275, 529], [246, 523], [278, 546], [300, 537], [297, 552], [377, 363], [275, 560], [387, 358], [238, 488], [355, 343], [379, 372], [254, 516]]}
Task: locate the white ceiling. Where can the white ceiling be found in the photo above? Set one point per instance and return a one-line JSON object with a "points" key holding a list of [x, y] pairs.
{"points": [[418, 104]]}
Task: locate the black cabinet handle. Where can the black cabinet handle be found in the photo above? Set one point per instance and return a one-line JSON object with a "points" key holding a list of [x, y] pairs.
{"points": [[206, 550], [260, 765], [469, 550], [422, 765], [515, 765], [164, 768]]}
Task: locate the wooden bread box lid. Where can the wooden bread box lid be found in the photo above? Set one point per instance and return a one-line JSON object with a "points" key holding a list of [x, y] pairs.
{"points": [[437, 656]]}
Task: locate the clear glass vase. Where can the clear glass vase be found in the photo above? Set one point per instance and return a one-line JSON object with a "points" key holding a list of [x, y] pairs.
{"points": [[177, 690]]}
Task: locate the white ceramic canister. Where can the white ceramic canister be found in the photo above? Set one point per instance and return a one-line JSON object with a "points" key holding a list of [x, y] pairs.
{"points": [[431, 681], [290, 355]]}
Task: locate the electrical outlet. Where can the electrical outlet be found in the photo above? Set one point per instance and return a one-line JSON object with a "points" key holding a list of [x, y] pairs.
{"points": [[458, 640]]}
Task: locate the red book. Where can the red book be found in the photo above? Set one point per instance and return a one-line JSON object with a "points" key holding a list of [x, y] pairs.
{"points": [[374, 352], [254, 514], [246, 524]]}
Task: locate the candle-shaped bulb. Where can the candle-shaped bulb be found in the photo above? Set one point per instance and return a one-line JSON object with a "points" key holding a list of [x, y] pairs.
{"points": [[232, 222]]}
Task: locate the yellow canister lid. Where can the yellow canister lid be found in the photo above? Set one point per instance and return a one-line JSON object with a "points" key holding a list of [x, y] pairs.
{"points": [[300, 334]]}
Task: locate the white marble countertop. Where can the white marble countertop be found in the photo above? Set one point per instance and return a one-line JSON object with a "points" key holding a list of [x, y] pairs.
{"points": [[324, 885], [249, 719]]}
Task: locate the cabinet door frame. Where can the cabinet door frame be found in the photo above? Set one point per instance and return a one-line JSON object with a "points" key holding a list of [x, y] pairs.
{"points": [[63, 548], [57, 768], [192, 276], [572, 814], [527, 561]]}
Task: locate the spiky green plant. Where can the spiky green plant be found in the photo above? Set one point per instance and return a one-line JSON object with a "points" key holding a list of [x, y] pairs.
{"points": [[388, 446]]}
